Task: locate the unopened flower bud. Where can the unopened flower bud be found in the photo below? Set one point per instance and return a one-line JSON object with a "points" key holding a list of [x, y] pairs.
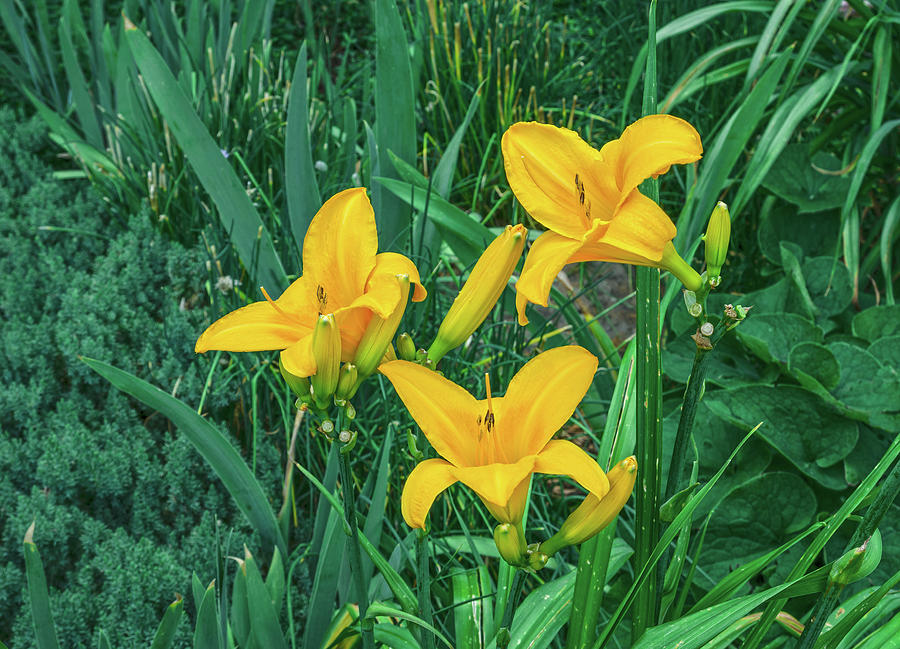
{"points": [[298, 384], [707, 328], [717, 237], [326, 349], [593, 514], [406, 348], [510, 543], [346, 386], [481, 291], [378, 335]]}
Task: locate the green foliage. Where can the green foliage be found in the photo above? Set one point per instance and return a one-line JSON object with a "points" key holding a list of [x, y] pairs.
{"points": [[124, 508]]}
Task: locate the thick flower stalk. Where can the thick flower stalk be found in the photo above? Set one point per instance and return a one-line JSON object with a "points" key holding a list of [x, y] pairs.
{"points": [[494, 445], [480, 292], [589, 199], [343, 275]]}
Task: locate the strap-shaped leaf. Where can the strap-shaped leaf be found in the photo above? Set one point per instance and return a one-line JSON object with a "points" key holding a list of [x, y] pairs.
{"points": [[210, 443], [238, 215]]}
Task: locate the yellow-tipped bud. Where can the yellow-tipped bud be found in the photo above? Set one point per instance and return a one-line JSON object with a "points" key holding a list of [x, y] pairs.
{"points": [[481, 291], [717, 237], [672, 262], [511, 544], [298, 384], [379, 333], [326, 348], [346, 386], [593, 514]]}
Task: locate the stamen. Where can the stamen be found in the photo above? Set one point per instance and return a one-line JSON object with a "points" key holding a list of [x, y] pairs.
{"points": [[272, 302], [322, 297], [489, 416]]}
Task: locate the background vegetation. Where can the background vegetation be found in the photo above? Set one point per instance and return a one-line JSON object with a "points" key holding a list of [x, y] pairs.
{"points": [[799, 121]]}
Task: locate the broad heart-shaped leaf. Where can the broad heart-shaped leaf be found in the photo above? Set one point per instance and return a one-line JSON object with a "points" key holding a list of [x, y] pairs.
{"points": [[810, 184], [210, 443], [877, 322], [887, 351], [828, 284], [868, 450], [715, 439], [728, 366], [754, 518], [798, 424], [865, 383], [814, 233], [771, 336], [809, 360]]}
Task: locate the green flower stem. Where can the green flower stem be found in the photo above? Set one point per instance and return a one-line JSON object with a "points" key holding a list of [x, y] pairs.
{"points": [[692, 393], [648, 390], [368, 636], [503, 632], [423, 585], [867, 526]]}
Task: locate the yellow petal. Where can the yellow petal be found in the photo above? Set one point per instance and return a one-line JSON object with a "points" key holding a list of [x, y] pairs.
{"points": [[641, 228], [445, 412], [392, 263], [541, 397], [561, 457], [649, 146], [423, 485], [557, 177], [298, 359], [514, 509], [548, 254], [497, 483], [255, 327], [339, 248]]}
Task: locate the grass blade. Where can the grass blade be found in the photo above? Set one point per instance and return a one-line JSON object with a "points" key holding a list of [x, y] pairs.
{"points": [[395, 120], [886, 244], [44, 629], [165, 633], [210, 443], [238, 215], [300, 183]]}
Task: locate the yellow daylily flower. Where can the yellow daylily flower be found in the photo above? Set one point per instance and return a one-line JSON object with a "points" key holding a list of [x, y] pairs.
{"points": [[589, 199], [343, 275], [493, 445], [481, 291]]}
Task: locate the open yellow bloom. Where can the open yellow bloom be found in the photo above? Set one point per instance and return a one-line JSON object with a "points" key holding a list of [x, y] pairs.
{"points": [[342, 275], [493, 445], [589, 199]]}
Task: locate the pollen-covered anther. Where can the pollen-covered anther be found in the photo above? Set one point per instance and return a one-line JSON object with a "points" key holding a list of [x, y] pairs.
{"points": [[322, 298]]}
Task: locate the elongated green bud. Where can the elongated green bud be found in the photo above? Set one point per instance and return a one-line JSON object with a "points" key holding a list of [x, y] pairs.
{"points": [[298, 384], [481, 291], [346, 386], [406, 348], [717, 237], [326, 348], [377, 338], [511, 544]]}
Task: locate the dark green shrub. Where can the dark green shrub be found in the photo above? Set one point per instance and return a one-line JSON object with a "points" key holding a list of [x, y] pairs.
{"points": [[125, 509]]}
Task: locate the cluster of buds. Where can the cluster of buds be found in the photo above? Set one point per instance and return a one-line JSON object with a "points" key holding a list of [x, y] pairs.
{"points": [[334, 382], [588, 519]]}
